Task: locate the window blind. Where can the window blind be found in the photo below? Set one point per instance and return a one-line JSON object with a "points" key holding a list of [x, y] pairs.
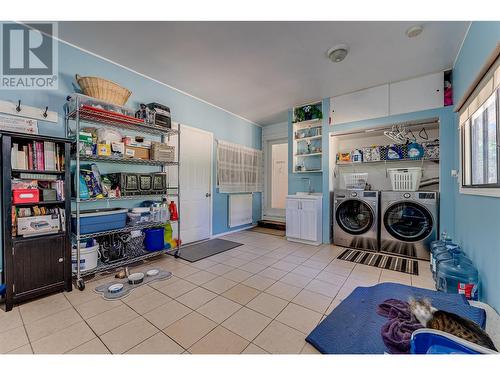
{"points": [[239, 168]]}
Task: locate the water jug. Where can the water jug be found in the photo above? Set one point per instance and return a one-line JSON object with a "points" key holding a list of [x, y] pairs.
{"points": [[445, 253], [457, 275], [438, 244]]}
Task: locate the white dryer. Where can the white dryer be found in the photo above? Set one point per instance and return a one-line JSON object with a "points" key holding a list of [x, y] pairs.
{"points": [[409, 222], [355, 219]]}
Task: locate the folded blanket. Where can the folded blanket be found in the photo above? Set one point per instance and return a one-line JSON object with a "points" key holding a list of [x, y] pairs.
{"points": [[396, 333]]}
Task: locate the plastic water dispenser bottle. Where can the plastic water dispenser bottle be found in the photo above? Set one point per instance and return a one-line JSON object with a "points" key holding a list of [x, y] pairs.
{"points": [[446, 253], [437, 246], [458, 275]]}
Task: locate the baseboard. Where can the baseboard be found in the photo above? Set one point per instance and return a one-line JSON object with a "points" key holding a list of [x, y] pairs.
{"points": [[233, 231]]}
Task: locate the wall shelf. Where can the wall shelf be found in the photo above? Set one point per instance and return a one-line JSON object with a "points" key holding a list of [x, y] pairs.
{"points": [[349, 163], [308, 138], [311, 154]]}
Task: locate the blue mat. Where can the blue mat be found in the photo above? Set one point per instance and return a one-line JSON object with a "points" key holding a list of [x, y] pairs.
{"points": [[354, 326]]}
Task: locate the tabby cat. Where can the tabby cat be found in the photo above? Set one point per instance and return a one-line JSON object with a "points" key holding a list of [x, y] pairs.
{"points": [[430, 317]]}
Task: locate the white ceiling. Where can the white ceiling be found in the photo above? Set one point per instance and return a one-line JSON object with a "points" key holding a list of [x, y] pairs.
{"points": [[260, 69]]}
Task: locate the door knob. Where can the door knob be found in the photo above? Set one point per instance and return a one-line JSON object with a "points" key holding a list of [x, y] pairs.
{"points": [[208, 195], [60, 260]]}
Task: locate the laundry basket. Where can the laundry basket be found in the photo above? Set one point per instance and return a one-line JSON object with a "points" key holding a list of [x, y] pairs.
{"points": [[405, 179], [355, 181]]}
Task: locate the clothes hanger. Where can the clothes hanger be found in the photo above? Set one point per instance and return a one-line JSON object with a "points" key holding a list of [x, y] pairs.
{"points": [[424, 136]]}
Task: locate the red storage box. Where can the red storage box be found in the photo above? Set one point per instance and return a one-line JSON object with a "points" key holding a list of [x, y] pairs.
{"points": [[25, 196]]}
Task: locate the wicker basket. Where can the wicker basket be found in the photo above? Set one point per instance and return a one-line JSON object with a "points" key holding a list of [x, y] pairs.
{"points": [[103, 89]]}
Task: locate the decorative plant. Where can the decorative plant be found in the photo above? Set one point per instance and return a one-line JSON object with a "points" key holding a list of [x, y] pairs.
{"points": [[307, 112]]}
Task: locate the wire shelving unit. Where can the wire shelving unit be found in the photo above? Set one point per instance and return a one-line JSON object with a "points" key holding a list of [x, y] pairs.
{"points": [[83, 109]]}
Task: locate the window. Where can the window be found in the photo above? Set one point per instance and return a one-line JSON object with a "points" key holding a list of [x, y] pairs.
{"points": [[479, 120], [239, 168], [480, 146]]}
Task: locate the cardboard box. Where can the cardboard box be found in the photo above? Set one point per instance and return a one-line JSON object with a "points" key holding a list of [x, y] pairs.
{"points": [[103, 149], [137, 152], [36, 225]]}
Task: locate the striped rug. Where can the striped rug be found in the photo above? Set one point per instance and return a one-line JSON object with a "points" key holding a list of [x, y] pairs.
{"points": [[387, 262]]}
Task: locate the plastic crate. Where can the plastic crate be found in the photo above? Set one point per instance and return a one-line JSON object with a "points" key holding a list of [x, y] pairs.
{"points": [[355, 181], [405, 179], [93, 221]]}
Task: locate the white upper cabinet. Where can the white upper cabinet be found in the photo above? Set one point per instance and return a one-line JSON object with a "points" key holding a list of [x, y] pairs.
{"points": [[417, 94], [412, 95], [360, 105]]}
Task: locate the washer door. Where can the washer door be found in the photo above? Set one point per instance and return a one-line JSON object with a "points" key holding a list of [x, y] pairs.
{"points": [[354, 216], [408, 221]]}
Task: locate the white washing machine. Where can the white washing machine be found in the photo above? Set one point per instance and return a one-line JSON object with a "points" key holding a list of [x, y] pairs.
{"points": [[409, 222], [355, 219]]}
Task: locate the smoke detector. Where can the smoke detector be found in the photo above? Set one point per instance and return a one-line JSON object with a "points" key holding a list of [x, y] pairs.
{"points": [[338, 53], [414, 31]]}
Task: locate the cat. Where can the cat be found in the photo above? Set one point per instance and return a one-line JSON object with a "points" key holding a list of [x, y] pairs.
{"points": [[430, 317]]}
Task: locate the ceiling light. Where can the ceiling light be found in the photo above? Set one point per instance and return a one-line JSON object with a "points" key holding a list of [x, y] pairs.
{"points": [[414, 31], [338, 53]]}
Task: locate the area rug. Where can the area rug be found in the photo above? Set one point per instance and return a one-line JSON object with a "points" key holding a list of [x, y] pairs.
{"points": [[205, 249], [380, 261], [354, 326]]}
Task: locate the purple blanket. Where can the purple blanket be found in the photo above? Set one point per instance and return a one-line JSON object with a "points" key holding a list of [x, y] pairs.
{"points": [[396, 333]]}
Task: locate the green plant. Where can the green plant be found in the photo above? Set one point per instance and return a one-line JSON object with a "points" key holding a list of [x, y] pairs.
{"points": [[307, 112]]}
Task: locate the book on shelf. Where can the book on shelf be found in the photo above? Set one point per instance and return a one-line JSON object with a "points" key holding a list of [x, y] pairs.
{"points": [[37, 155]]}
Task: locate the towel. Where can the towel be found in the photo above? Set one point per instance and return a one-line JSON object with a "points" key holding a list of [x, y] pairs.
{"points": [[396, 333]]}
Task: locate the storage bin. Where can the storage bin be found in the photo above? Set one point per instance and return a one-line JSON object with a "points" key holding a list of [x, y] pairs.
{"points": [[355, 181], [405, 179], [88, 258], [25, 196], [153, 240], [100, 220]]}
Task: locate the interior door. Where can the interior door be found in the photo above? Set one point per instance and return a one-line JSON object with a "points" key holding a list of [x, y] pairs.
{"points": [[292, 218], [195, 180], [308, 220], [276, 188]]}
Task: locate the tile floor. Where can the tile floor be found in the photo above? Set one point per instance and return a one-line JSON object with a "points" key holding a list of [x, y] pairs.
{"points": [[262, 297]]}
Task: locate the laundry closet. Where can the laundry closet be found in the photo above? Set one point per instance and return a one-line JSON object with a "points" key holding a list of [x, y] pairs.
{"points": [[384, 185]]}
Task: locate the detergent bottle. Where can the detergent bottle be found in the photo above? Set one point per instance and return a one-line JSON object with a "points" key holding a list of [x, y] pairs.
{"points": [[174, 216], [167, 236]]}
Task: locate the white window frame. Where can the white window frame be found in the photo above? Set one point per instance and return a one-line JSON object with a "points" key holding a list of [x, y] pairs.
{"points": [[491, 84]]}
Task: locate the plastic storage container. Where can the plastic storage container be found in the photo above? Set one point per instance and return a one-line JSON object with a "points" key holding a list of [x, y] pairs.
{"points": [[457, 275], [154, 240], [88, 258], [100, 220], [355, 181], [25, 196], [405, 179]]}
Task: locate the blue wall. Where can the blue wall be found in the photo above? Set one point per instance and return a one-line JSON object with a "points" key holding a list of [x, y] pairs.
{"points": [[477, 218], [185, 110]]}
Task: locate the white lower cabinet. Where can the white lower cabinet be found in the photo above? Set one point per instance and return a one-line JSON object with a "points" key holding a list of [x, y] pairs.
{"points": [[304, 218]]}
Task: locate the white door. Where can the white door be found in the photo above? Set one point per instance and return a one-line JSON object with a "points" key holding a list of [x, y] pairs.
{"points": [[276, 187], [195, 183], [292, 218], [308, 222]]}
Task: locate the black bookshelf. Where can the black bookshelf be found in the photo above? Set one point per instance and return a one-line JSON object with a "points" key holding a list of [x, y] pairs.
{"points": [[38, 265]]}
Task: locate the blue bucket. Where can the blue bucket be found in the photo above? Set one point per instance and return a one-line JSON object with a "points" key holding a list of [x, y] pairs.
{"points": [[153, 240]]}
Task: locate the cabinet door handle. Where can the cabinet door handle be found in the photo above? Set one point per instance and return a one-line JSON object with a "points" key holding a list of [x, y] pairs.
{"points": [[60, 260]]}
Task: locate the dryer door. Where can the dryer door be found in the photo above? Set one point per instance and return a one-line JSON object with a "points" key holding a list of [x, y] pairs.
{"points": [[408, 221], [354, 216]]}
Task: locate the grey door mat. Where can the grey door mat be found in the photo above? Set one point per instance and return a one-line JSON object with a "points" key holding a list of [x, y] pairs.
{"points": [[381, 261], [127, 288], [201, 250]]}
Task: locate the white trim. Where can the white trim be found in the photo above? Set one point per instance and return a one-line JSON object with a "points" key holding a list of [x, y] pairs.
{"points": [[234, 231], [266, 199], [150, 78], [484, 192], [462, 44]]}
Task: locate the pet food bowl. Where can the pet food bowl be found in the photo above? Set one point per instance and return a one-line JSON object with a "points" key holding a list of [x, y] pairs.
{"points": [[136, 278], [115, 288], [152, 272]]}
